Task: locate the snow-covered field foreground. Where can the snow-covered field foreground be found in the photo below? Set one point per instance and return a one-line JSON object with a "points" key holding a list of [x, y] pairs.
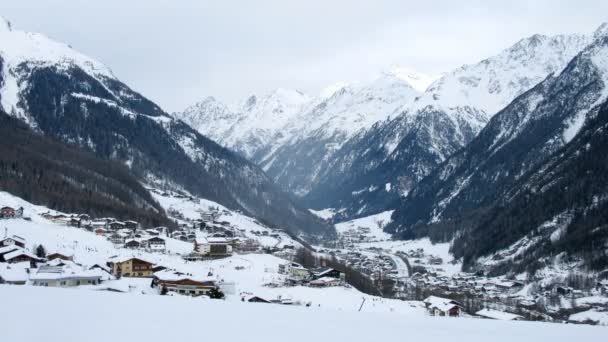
{"points": [[43, 314]]}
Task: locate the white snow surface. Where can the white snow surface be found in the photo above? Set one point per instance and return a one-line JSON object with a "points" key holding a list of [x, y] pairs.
{"points": [[600, 317], [375, 223], [167, 318]]}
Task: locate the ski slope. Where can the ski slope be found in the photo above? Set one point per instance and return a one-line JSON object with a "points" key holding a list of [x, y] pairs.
{"points": [[165, 318]]}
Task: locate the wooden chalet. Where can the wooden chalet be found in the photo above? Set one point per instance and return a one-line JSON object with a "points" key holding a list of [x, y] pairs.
{"points": [[130, 267], [13, 240], [59, 256], [181, 283]]}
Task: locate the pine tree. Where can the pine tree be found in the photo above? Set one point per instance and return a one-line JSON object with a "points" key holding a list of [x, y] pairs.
{"points": [[40, 251]]}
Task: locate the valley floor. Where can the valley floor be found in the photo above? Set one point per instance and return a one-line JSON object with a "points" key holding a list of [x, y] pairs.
{"points": [[36, 314]]}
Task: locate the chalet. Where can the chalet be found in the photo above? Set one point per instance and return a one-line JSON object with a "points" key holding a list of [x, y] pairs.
{"points": [[118, 238], [131, 224], [153, 232], [59, 256], [100, 231], [19, 255], [74, 222], [326, 272], [182, 283], [213, 247], [248, 246], [255, 299], [59, 218], [132, 243], [295, 270], [116, 225], [509, 286], [7, 249], [13, 240], [156, 243], [99, 224], [325, 282], [7, 212], [438, 306], [130, 267], [64, 276], [13, 274]]}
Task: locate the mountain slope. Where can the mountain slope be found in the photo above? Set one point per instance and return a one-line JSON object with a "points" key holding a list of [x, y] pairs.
{"points": [[67, 179], [376, 167], [473, 182], [77, 100]]}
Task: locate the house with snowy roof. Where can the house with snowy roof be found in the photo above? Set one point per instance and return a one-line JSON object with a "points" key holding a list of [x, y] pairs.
{"points": [[325, 282], [183, 283], [14, 274], [326, 272], [68, 275], [130, 267], [438, 306], [156, 244], [132, 243], [14, 254], [13, 240], [213, 247]]}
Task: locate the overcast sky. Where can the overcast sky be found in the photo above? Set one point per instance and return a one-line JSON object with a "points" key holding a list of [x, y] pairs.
{"points": [[177, 52]]}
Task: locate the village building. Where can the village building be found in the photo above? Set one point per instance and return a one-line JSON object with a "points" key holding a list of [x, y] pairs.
{"points": [[56, 255], [186, 284], [13, 240], [16, 254], [213, 247], [118, 238], [130, 267], [156, 244], [325, 282], [100, 231], [7, 212], [133, 225], [64, 276], [254, 299], [132, 243], [438, 306], [116, 225], [295, 271], [326, 272], [14, 274]]}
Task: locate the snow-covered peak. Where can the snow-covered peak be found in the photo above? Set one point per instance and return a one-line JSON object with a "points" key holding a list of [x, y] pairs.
{"points": [[492, 83], [272, 109], [352, 107], [17, 47], [210, 117], [417, 80]]}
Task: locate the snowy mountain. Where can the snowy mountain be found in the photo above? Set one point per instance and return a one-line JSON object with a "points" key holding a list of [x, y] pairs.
{"points": [[78, 100], [292, 136], [376, 167], [511, 161]]}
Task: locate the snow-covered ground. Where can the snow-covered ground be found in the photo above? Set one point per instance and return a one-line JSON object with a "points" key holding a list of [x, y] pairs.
{"points": [[592, 315], [165, 318], [375, 224]]}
